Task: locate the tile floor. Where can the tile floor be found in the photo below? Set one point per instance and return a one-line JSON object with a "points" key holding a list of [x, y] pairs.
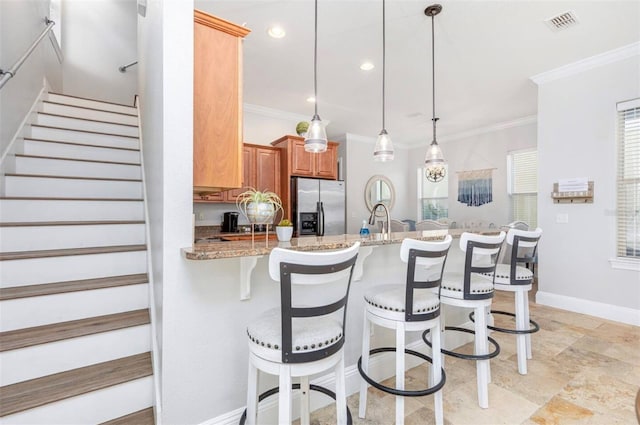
{"points": [[584, 370]]}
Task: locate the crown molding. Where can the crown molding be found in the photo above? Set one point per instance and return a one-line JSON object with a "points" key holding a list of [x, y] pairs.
{"points": [[276, 113], [518, 122], [583, 65]]}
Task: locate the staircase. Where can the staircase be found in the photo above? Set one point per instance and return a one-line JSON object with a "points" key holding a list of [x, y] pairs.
{"points": [[75, 333]]}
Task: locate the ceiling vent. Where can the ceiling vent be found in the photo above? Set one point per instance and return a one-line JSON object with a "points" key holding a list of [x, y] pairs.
{"points": [[562, 21]]}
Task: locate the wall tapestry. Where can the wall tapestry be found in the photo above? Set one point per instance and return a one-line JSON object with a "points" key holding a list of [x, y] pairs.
{"points": [[475, 187]]}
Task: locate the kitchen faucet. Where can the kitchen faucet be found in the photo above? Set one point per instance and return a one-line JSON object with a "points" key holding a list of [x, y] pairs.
{"points": [[372, 219]]}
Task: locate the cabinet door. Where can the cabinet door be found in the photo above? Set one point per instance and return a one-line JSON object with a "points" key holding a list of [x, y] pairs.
{"points": [[326, 163], [268, 170], [248, 174], [301, 160]]}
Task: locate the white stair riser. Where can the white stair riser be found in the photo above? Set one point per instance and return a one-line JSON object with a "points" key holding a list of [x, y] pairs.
{"points": [[46, 359], [44, 310], [58, 167], [12, 210], [52, 187], [34, 147], [63, 135], [80, 112], [73, 267], [36, 238], [80, 124], [91, 103], [91, 408]]}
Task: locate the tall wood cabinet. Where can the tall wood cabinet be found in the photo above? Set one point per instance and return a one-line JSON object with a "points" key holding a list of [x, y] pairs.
{"points": [[217, 104], [261, 170], [299, 163]]}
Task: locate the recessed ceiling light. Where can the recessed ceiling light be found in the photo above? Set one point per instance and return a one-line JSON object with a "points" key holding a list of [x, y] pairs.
{"points": [[276, 31], [311, 99], [367, 66]]}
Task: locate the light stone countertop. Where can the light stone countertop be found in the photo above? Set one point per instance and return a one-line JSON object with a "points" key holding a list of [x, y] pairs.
{"points": [[217, 250]]}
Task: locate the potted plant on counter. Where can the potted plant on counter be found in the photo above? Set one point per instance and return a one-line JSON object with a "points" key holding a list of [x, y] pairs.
{"points": [[258, 207], [284, 230]]}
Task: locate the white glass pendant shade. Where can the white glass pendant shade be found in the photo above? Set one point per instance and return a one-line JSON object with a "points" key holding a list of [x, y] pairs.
{"points": [[384, 148], [434, 163], [316, 139]]}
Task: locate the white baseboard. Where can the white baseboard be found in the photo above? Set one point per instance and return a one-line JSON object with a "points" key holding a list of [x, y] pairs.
{"points": [[592, 308], [381, 367]]}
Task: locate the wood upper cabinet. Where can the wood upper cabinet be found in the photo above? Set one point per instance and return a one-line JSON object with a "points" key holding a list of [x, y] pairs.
{"points": [[261, 170], [296, 162], [217, 103]]}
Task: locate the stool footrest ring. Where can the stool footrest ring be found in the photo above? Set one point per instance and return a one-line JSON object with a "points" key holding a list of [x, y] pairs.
{"points": [[395, 391], [533, 329], [312, 387], [487, 356]]}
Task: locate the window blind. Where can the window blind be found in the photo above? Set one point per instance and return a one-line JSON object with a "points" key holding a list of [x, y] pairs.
{"points": [[628, 179], [524, 186]]}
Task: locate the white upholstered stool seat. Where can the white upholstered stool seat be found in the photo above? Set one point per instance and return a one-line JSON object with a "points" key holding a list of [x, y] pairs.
{"points": [[453, 285], [304, 336], [503, 274], [413, 306]]}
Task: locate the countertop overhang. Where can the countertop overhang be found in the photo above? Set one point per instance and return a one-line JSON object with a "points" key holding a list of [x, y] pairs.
{"points": [[235, 249]]}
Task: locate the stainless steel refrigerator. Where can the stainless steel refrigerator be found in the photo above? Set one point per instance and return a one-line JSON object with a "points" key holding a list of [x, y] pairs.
{"points": [[318, 206]]}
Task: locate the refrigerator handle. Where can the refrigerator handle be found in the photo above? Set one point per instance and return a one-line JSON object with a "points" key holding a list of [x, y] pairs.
{"points": [[320, 228]]}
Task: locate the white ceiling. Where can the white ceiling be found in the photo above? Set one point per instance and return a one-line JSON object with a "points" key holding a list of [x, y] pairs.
{"points": [[486, 52]]}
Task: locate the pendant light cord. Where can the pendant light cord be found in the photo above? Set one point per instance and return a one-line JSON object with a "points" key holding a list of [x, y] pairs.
{"points": [[315, 60], [433, 77], [383, 63]]}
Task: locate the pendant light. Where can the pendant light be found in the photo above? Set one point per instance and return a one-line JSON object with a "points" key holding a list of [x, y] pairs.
{"points": [[316, 138], [383, 150], [434, 160]]}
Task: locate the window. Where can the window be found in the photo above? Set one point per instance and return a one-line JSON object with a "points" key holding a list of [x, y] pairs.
{"points": [[522, 175], [628, 179], [433, 198]]}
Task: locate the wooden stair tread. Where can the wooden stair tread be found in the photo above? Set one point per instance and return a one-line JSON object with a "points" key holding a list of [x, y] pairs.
{"points": [[48, 389], [82, 131], [23, 255], [68, 223], [88, 145], [16, 292], [49, 176], [27, 337], [86, 119], [59, 158], [89, 108], [45, 198], [93, 100], [141, 417]]}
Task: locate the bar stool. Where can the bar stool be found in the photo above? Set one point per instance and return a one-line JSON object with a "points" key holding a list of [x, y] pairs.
{"points": [[414, 306], [472, 290], [515, 278], [306, 334]]}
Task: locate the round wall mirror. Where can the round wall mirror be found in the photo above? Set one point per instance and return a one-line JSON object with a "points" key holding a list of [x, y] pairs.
{"points": [[379, 189]]}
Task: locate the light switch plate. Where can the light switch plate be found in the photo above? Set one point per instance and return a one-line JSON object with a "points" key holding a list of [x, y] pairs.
{"points": [[562, 218]]}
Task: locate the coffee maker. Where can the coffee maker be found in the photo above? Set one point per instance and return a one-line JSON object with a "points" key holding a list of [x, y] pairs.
{"points": [[230, 222]]}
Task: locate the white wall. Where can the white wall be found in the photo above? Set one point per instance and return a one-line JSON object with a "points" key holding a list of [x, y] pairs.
{"points": [[576, 138], [359, 167], [98, 36], [21, 22], [165, 44], [485, 148]]}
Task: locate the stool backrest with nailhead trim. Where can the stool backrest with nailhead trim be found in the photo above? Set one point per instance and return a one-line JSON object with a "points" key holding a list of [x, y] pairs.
{"points": [[424, 259], [524, 247], [481, 257], [307, 281]]}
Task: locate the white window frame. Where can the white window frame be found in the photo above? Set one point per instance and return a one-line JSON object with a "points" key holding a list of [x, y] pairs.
{"points": [[510, 191], [622, 262], [421, 181]]}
